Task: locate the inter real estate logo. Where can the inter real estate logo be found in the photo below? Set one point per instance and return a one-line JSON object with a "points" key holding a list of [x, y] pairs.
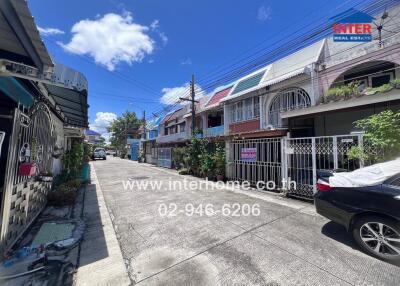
{"points": [[352, 26]]}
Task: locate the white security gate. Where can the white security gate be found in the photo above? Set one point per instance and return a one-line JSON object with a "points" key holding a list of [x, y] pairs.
{"points": [[304, 156], [256, 160], [164, 157]]}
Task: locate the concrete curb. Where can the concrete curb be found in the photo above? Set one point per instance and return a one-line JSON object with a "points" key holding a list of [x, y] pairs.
{"points": [[101, 261]]}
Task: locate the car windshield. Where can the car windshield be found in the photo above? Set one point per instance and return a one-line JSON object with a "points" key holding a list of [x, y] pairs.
{"points": [[98, 150]]}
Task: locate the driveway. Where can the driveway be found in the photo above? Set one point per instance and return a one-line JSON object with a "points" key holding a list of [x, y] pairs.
{"points": [[286, 243]]}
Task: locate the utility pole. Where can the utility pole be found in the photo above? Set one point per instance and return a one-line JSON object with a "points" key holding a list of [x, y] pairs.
{"points": [[144, 124], [193, 102]]}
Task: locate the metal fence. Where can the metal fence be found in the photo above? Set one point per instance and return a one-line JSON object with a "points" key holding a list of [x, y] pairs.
{"points": [[284, 160], [304, 156]]}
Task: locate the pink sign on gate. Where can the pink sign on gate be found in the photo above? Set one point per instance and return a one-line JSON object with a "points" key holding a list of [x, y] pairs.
{"points": [[248, 154]]}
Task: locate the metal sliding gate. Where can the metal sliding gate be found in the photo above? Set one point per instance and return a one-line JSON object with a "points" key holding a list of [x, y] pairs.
{"points": [[256, 160], [304, 156], [292, 163]]}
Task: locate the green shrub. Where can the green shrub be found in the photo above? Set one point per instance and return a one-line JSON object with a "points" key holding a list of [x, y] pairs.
{"points": [[74, 184], [61, 197], [343, 92], [395, 82], [384, 88], [382, 131], [183, 171], [178, 157], [220, 160]]}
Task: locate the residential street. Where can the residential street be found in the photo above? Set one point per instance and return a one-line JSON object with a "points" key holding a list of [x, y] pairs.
{"points": [[287, 244]]}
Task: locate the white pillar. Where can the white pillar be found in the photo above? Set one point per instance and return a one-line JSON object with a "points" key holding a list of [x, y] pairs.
{"points": [[226, 119]]}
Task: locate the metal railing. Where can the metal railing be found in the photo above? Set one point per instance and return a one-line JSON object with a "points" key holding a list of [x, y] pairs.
{"points": [[176, 137], [214, 131]]}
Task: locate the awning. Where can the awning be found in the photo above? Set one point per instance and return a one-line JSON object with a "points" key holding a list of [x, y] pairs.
{"points": [[11, 87], [72, 103], [303, 70], [19, 37], [217, 97]]}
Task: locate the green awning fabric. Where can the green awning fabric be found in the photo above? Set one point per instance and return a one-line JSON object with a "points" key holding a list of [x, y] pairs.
{"points": [[11, 87], [248, 82]]}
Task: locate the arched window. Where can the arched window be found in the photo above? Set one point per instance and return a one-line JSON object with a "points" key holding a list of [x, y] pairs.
{"points": [[288, 99]]}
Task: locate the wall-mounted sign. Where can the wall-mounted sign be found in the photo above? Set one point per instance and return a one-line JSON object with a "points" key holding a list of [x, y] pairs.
{"points": [[25, 120], [348, 140], [248, 154], [352, 26]]}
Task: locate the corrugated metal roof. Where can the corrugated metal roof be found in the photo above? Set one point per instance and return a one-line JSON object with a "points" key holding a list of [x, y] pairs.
{"points": [[25, 16], [286, 76], [248, 82], [174, 115], [218, 96], [294, 62]]}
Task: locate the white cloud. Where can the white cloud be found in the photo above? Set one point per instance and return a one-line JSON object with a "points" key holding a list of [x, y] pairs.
{"points": [[49, 31], [163, 38], [264, 13], [154, 25], [186, 62], [110, 40], [172, 94], [102, 121]]}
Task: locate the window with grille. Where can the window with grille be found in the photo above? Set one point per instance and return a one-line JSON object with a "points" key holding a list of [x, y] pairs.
{"points": [[288, 99], [246, 109]]}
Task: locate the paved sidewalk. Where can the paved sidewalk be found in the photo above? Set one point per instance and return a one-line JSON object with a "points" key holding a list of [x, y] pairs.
{"points": [[101, 261]]}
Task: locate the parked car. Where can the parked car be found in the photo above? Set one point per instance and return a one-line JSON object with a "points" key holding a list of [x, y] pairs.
{"points": [[369, 209], [99, 153]]}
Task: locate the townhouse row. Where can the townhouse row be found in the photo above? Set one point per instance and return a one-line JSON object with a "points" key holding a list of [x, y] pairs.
{"points": [[294, 115]]}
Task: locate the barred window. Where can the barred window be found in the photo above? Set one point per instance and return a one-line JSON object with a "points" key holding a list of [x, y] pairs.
{"points": [[288, 99]]}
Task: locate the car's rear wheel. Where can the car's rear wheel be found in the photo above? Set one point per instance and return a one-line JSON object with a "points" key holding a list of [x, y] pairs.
{"points": [[379, 237]]}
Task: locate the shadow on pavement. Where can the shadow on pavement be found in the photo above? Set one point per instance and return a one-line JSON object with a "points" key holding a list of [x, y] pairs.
{"points": [[93, 247], [339, 233]]}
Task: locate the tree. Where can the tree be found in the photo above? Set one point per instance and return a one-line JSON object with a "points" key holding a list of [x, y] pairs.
{"points": [[381, 130], [124, 127]]}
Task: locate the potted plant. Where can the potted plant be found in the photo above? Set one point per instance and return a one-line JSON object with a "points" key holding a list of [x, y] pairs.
{"points": [[27, 169], [46, 177], [28, 157]]}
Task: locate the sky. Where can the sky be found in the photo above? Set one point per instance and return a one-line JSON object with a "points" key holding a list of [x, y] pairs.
{"points": [[140, 55]]}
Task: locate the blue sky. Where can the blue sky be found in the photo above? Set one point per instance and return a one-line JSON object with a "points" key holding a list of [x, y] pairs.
{"points": [[138, 55]]}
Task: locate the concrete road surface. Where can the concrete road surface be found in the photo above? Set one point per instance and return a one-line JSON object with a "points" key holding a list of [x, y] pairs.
{"points": [[167, 238]]}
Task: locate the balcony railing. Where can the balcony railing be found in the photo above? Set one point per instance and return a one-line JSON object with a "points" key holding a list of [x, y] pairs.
{"points": [[214, 131], [177, 137]]}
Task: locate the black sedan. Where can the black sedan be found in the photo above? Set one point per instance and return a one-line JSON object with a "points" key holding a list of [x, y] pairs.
{"points": [[371, 214]]}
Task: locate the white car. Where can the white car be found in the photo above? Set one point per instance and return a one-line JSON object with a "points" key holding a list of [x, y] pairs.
{"points": [[99, 153]]}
